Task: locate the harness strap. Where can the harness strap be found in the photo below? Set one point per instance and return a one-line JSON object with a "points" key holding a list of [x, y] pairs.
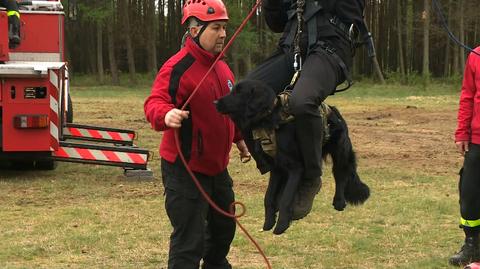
{"points": [[294, 36], [328, 50], [266, 136], [312, 33]]}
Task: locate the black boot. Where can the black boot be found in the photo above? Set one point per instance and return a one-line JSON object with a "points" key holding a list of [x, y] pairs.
{"points": [[13, 31], [470, 251], [309, 131], [303, 201]]}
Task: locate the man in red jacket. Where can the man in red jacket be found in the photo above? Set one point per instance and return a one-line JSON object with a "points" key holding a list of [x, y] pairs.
{"points": [[206, 137], [467, 139]]}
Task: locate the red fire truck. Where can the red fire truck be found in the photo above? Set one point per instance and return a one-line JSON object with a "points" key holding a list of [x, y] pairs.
{"points": [[35, 108]]}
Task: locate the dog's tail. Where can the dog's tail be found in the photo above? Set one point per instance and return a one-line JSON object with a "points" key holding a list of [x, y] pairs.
{"points": [[344, 161], [356, 192]]}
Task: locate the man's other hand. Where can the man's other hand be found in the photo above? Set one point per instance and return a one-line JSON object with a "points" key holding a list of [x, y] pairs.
{"points": [[244, 153], [462, 146]]}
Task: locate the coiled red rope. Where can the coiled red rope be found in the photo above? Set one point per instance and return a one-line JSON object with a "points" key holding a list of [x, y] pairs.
{"points": [[230, 214]]}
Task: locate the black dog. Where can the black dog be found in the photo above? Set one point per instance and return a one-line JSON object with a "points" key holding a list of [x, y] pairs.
{"points": [[251, 106]]}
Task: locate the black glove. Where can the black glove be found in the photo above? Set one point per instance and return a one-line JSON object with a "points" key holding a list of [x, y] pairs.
{"points": [[13, 31]]}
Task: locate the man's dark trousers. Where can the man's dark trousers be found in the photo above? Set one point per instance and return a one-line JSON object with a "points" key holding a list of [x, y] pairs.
{"points": [[198, 231]]}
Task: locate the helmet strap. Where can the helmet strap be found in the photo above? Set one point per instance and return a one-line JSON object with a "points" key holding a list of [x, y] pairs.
{"points": [[197, 38], [203, 25]]}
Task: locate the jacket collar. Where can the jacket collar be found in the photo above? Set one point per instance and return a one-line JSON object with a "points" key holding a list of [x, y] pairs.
{"points": [[198, 53]]}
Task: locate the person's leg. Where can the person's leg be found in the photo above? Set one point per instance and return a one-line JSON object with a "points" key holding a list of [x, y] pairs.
{"points": [[187, 212], [276, 72], [319, 77], [220, 229], [13, 23], [469, 187]]}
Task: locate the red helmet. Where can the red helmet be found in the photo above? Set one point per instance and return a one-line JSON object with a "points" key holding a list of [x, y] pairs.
{"points": [[204, 10]]}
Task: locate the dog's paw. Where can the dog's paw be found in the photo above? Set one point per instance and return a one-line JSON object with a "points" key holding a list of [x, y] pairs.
{"points": [[269, 223], [281, 227], [282, 224], [339, 205]]}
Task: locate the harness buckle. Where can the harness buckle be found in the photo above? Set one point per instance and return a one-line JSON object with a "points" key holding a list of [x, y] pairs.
{"points": [[329, 49]]}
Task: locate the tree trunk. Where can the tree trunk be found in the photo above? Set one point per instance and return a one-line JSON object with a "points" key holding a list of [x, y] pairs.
{"points": [[446, 61], [111, 50], [128, 41], [456, 56], [101, 77], [161, 29], [151, 38], [426, 43], [400, 42], [92, 48], [461, 29]]}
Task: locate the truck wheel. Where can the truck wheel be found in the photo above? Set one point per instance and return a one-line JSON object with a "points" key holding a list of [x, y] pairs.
{"points": [[46, 165], [22, 164], [70, 110]]}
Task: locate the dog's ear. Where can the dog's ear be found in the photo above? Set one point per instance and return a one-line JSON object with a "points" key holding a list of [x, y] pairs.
{"points": [[261, 99]]}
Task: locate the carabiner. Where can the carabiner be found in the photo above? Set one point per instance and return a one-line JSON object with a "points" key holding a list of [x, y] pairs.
{"points": [[297, 62]]}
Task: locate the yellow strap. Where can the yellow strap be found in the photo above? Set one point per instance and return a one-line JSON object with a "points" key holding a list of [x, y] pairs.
{"points": [[470, 223], [12, 13], [294, 78]]}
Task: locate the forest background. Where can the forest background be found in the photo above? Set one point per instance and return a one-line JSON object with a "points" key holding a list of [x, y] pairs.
{"points": [[108, 38]]}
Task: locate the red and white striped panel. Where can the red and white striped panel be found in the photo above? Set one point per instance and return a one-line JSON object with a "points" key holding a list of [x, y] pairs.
{"points": [[54, 109], [98, 134], [101, 155]]}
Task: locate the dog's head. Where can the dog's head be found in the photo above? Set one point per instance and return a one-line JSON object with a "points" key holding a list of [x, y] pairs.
{"points": [[248, 102]]}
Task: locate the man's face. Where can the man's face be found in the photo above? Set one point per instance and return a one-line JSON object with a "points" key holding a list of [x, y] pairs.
{"points": [[213, 38]]}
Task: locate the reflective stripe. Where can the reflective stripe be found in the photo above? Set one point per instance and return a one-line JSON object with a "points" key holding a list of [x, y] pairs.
{"points": [[13, 12], [470, 223]]}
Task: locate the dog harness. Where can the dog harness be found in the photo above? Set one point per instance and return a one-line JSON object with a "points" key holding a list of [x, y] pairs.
{"points": [[266, 136]]}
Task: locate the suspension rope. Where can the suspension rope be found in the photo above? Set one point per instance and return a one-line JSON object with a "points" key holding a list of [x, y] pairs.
{"points": [[297, 53], [230, 214], [443, 20]]}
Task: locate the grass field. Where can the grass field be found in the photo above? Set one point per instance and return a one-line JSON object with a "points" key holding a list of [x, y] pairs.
{"points": [[85, 216]]}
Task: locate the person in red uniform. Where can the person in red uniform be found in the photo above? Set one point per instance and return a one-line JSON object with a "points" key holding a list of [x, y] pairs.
{"points": [[206, 137], [467, 140], [13, 22]]}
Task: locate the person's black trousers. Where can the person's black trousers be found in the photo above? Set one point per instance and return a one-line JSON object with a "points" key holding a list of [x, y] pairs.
{"points": [[469, 186], [198, 231]]}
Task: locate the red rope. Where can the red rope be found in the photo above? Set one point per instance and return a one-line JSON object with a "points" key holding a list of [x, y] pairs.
{"points": [[230, 214]]}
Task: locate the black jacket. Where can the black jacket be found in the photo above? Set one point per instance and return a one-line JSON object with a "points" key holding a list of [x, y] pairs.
{"points": [[277, 13]]}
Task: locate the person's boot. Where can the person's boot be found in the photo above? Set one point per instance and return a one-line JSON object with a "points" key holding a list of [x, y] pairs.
{"points": [[303, 201], [309, 131], [13, 31], [470, 252]]}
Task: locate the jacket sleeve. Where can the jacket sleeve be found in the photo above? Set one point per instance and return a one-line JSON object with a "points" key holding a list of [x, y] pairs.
{"points": [[275, 14], [159, 102], [467, 95]]}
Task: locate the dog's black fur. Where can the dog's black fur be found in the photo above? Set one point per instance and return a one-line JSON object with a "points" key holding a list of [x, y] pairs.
{"points": [[250, 106]]}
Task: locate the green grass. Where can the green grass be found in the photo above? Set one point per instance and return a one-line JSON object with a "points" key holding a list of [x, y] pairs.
{"points": [[88, 216]]}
